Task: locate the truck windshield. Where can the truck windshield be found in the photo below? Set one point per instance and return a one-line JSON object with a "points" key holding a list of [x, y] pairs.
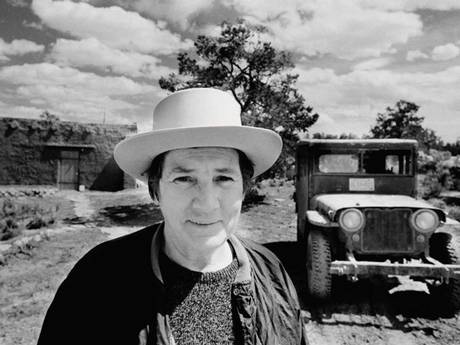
{"points": [[367, 162], [339, 163]]}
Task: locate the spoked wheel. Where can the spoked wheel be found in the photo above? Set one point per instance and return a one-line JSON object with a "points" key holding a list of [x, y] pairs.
{"points": [[319, 278], [445, 247]]}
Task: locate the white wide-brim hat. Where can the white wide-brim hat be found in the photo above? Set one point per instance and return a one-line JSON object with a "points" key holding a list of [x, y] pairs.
{"points": [[199, 117]]}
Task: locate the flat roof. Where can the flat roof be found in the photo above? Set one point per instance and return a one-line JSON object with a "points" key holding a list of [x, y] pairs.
{"points": [[360, 141], [70, 146]]}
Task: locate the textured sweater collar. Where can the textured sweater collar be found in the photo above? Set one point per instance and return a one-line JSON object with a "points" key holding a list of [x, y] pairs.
{"points": [[244, 270]]}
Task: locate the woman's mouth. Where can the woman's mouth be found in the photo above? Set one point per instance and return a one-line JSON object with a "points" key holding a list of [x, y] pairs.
{"points": [[203, 222]]}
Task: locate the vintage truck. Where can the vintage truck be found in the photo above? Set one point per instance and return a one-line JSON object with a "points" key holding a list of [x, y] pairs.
{"points": [[358, 216]]}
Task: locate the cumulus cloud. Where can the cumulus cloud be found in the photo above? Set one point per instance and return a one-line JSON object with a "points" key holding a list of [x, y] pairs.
{"points": [[18, 3], [176, 11], [71, 92], [34, 25], [445, 52], [372, 64], [18, 47], [412, 5], [113, 26], [20, 111], [49, 75], [353, 100], [344, 28], [413, 55], [91, 52]]}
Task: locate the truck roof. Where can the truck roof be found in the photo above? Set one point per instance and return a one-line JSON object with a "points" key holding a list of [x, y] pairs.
{"points": [[379, 143]]}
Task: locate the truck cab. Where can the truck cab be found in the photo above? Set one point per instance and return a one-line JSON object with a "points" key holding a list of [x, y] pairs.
{"points": [[358, 215]]}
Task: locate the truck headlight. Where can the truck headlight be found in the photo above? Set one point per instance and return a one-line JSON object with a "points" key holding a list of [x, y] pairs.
{"points": [[351, 220], [424, 220]]}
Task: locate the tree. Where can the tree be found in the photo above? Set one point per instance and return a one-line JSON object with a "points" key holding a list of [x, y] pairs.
{"points": [[47, 116], [323, 135], [402, 122], [256, 73], [454, 148]]}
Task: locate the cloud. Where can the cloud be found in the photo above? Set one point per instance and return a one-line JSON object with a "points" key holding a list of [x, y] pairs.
{"points": [[445, 52], [20, 111], [416, 55], [74, 93], [208, 30], [412, 5], [18, 3], [371, 64], [353, 100], [112, 26], [176, 11], [38, 26], [48, 75], [340, 27], [18, 47], [91, 52]]}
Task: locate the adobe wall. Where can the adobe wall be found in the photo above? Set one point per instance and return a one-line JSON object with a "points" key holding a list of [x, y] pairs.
{"points": [[26, 160]]}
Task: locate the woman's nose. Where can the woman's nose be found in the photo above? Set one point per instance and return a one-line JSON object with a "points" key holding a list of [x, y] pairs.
{"points": [[207, 198]]}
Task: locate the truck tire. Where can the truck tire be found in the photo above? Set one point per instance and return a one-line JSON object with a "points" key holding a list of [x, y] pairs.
{"points": [[319, 278], [445, 247]]}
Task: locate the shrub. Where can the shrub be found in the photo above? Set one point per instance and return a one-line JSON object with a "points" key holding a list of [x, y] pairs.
{"points": [[253, 196], [8, 228], [454, 212], [430, 186], [8, 208], [18, 215], [438, 203]]}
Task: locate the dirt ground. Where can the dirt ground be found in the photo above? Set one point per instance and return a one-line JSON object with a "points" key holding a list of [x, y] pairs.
{"points": [[373, 312]]}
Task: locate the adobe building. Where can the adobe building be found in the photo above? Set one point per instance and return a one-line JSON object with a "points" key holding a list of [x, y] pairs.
{"points": [[69, 155]]}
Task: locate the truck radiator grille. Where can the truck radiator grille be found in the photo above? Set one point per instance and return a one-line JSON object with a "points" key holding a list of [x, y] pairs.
{"points": [[387, 230]]}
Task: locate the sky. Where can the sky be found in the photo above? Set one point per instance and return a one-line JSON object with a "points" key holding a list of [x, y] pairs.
{"points": [[99, 61]]}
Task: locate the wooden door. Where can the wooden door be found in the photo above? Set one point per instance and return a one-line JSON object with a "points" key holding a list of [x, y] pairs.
{"points": [[68, 170]]}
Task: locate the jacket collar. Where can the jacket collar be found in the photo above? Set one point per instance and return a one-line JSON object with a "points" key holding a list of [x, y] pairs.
{"points": [[244, 268]]}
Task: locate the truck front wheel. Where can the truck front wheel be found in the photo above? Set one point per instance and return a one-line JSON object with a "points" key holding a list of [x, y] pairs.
{"points": [[319, 277], [445, 247]]}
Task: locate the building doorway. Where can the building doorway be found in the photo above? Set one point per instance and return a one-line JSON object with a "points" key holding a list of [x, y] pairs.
{"points": [[69, 169]]}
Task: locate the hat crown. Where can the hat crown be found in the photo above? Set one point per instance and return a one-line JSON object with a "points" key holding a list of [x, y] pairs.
{"points": [[198, 107]]}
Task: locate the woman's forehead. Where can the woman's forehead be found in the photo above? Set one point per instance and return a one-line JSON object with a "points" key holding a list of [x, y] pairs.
{"points": [[220, 157]]}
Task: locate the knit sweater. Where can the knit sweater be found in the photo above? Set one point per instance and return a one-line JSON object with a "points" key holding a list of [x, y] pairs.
{"points": [[199, 304]]}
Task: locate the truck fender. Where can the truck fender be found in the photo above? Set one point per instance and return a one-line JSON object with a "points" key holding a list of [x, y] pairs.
{"points": [[317, 219]]}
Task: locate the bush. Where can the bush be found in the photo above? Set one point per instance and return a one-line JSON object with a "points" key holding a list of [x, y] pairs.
{"points": [[430, 186], [438, 203], [253, 196], [18, 215], [8, 225], [8, 229], [39, 221], [454, 212]]}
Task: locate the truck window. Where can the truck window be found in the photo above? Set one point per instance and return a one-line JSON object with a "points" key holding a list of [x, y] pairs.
{"points": [[384, 162], [338, 163]]}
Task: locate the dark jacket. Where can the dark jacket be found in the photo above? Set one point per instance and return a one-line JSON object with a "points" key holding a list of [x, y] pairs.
{"points": [[115, 292]]}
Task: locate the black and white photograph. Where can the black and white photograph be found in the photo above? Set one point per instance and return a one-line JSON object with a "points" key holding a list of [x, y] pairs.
{"points": [[260, 172]]}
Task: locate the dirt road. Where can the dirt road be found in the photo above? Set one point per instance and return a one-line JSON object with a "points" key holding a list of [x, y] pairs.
{"points": [[368, 312]]}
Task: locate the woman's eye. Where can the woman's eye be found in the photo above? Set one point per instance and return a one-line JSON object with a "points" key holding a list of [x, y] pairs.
{"points": [[183, 179], [224, 179]]}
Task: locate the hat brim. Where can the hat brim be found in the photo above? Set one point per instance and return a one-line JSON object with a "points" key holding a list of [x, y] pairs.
{"points": [[134, 155]]}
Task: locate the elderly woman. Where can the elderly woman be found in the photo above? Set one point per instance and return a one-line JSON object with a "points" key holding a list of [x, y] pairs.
{"points": [[188, 279]]}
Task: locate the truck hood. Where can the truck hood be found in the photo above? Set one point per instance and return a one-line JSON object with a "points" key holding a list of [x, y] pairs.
{"points": [[330, 204]]}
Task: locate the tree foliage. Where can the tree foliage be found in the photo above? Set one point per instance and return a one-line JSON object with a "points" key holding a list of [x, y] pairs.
{"points": [[239, 60], [47, 116], [323, 135], [453, 148], [402, 121]]}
